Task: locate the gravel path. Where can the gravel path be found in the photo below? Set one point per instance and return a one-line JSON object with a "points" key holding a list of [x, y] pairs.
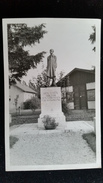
{"points": [[51, 148]]}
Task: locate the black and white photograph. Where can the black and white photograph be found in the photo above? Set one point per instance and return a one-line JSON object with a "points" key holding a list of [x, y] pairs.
{"points": [[52, 93]]}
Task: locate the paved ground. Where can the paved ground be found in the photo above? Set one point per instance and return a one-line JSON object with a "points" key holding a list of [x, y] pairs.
{"points": [[43, 147]]}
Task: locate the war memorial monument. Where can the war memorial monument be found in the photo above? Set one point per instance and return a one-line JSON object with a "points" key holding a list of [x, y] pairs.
{"points": [[51, 95]]}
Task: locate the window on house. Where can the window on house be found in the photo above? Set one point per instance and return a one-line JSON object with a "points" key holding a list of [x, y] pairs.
{"points": [[91, 95], [69, 96]]}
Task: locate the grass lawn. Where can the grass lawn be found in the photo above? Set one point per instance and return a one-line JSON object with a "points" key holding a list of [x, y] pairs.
{"points": [[12, 141], [28, 116], [91, 140], [27, 112], [80, 115]]}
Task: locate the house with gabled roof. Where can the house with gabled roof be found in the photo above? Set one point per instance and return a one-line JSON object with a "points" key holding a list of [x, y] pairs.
{"points": [[18, 94], [78, 89]]}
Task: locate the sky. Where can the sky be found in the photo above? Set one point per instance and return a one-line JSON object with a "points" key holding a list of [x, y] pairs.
{"points": [[69, 39]]}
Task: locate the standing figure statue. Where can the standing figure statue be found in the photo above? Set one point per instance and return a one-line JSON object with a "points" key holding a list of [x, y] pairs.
{"points": [[51, 68]]}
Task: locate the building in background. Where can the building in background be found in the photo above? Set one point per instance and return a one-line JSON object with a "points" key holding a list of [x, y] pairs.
{"points": [[18, 94], [78, 89]]}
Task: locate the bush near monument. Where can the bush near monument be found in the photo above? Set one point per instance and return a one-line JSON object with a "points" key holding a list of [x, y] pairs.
{"points": [[65, 109], [33, 103], [49, 122]]}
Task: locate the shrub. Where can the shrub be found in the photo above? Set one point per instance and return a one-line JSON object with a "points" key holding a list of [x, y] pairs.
{"points": [[26, 104], [33, 103], [64, 107], [49, 122]]}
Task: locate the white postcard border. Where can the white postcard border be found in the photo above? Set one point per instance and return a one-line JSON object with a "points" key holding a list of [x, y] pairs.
{"points": [[6, 90]]}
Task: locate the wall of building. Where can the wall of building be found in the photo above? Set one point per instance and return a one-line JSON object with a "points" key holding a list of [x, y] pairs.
{"points": [[78, 78], [13, 93], [68, 95], [28, 96]]}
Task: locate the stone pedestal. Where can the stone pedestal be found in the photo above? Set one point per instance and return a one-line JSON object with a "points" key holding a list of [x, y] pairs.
{"points": [[51, 105]]}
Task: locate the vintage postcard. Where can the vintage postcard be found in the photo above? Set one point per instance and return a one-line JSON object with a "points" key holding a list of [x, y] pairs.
{"points": [[52, 93]]}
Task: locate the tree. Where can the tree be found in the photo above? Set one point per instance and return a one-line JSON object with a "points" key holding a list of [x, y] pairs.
{"points": [[40, 81], [92, 37], [60, 75], [33, 103], [20, 61]]}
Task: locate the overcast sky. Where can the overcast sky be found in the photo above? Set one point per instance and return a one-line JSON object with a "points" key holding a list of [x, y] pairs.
{"points": [[69, 39]]}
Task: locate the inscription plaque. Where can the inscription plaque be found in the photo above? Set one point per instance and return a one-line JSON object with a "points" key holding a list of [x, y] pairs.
{"points": [[50, 100]]}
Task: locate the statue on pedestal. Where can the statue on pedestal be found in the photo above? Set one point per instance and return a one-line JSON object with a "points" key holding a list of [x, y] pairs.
{"points": [[51, 68], [51, 109]]}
